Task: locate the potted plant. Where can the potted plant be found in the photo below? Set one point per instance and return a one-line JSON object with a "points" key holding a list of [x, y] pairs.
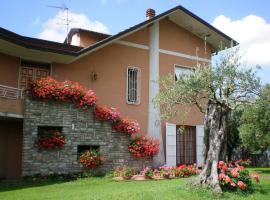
{"points": [[91, 159], [51, 139]]}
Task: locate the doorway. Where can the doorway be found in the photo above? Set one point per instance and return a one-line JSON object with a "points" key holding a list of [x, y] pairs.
{"points": [[185, 145], [11, 136]]}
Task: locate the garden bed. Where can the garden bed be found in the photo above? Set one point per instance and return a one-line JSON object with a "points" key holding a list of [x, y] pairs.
{"points": [[105, 188], [183, 171]]}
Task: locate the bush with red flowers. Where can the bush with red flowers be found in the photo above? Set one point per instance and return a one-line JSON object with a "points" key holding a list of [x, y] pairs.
{"points": [[127, 126], [144, 147], [51, 139], [185, 171], [244, 162], [50, 89], [91, 159], [106, 113], [235, 178]]}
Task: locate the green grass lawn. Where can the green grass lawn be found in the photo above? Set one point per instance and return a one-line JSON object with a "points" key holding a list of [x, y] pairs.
{"points": [[106, 188]]}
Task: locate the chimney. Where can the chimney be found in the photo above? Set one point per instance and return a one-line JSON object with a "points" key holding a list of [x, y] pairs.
{"points": [[150, 13]]}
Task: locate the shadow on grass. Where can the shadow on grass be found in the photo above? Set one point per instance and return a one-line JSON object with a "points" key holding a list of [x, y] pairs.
{"points": [[263, 171], [262, 189], [9, 185]]}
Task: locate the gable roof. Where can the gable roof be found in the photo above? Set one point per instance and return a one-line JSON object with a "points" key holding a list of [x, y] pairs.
{"points": [[175, 13], [179, 15], [39, 44], [77, 30]]}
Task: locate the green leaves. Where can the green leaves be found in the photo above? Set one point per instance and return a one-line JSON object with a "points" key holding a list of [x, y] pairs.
{"points": [[255, 122]]}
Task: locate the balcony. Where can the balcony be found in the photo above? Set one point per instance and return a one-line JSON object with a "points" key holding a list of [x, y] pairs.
{"points": [[11, 102]]}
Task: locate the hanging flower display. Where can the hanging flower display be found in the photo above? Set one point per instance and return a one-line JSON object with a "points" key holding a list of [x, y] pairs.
{"points": [[67, 91], [144, 147], [51, 139], [104, 113], [91, 159], [127, 126]]}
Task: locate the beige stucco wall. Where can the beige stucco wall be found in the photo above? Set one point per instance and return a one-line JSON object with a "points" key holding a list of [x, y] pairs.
{"points": [[175, 38], [110, 64], [139, 37], [87, 38]]}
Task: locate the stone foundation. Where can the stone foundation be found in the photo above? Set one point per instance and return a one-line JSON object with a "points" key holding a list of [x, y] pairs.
{"points": [[80, 128]]}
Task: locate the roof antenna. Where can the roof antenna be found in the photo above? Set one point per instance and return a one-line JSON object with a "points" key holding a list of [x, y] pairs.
{"points": [[66, 20]]}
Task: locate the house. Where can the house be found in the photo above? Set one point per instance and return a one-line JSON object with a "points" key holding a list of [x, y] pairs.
{"points": [[123, 70]]}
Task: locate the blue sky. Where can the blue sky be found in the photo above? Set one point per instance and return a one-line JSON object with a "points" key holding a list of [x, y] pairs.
{"points": [[238, 18]]}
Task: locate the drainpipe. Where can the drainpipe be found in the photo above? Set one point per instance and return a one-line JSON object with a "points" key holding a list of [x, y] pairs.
{"points": [[154, 122]]}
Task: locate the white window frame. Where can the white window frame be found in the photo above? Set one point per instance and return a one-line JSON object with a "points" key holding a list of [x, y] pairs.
{"points": [[181, 66], [138, 85]]}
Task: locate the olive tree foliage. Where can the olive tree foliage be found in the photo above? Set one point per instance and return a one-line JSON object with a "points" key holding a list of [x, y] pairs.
{"points": [[255, 123], [216, 91]]}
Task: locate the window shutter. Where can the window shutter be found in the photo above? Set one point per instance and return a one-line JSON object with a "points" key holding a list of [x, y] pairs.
{"points": [[170, 144], [199, 143]]}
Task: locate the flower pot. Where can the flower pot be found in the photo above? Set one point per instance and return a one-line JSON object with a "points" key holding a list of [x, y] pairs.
{"points": [[138, 178]]}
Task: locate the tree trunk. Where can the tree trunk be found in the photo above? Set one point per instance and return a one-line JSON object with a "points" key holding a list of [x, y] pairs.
{"points": [[215, 129], [223, 155]]}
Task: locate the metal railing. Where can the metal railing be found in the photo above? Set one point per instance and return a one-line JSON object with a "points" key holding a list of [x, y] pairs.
{"points": [[10, 92]]}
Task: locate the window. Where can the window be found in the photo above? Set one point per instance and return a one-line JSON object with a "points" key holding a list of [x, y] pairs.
{"points": [[180, 71], [31, 71], [42, 129], [133, 85], [82, 148], [186, 145]]}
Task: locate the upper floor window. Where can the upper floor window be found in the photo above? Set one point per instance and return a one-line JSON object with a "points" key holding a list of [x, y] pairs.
{"points": [[180, 71], [31, 71], [133, 85]]}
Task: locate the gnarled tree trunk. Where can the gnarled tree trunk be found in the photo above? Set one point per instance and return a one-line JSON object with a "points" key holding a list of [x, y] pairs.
{"points": [[215, 130]]}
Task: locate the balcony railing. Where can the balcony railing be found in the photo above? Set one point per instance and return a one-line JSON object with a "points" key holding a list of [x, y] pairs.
{"points": [[10, 92]]}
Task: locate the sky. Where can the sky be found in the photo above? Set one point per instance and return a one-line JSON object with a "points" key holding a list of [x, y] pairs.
{"points": [[247, 21]]}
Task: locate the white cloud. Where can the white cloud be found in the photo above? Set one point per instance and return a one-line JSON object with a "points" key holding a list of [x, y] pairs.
{"points": [[54, 28], [252, 32]]}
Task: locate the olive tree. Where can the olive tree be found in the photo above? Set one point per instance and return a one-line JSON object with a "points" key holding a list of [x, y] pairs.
{"points": [[216, 91]]}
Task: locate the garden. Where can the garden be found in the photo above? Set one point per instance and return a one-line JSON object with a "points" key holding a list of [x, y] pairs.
{"points": [[228, 91], [107, 188]]}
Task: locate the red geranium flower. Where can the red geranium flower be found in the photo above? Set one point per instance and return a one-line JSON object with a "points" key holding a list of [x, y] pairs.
{"points": [[144, 147]]}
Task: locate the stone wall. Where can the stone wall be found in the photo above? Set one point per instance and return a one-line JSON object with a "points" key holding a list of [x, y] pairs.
{"points": [[80, 128]]}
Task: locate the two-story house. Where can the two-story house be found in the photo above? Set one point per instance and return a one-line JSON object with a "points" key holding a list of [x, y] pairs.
{"points": [[123, 69]]}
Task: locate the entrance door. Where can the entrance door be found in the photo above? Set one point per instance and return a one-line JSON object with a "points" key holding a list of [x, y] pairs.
{"points": [[10, 148], [32, 71], [186, 145]]}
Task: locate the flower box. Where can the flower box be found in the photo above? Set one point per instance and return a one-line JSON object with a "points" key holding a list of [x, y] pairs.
{"points": [[49, 139]]}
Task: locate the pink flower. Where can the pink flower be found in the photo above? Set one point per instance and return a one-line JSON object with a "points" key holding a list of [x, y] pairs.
{"points": [[227, 179], [225, 168], [234, 172], [241, 185], [240, 168], [233, 184], [221, 176]]}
